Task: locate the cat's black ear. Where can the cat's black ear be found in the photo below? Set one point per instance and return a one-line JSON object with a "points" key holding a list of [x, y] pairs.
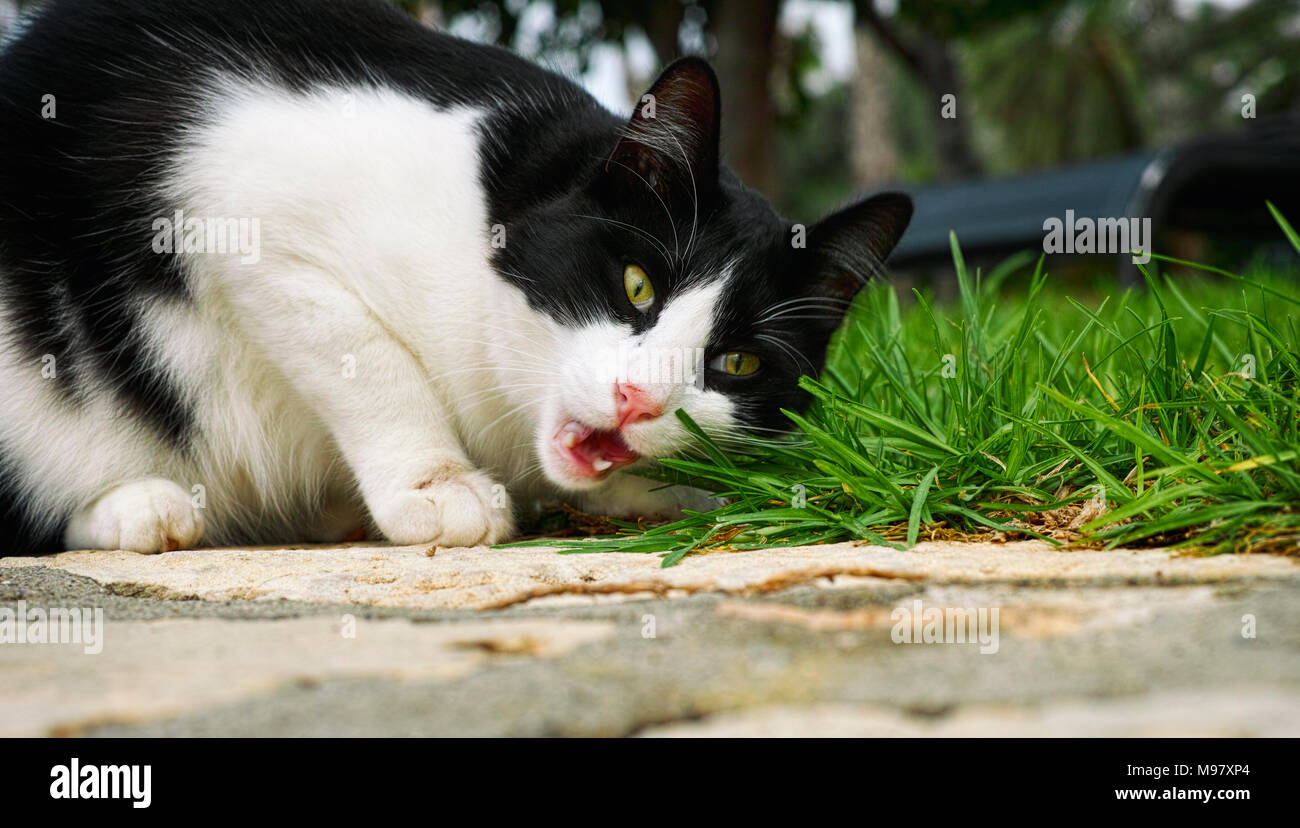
{"points": [[671, 141], [851, 245]]}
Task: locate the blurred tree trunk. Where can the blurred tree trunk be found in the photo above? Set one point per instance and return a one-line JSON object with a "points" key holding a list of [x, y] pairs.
{"points": [[957, 157], [746, 30], [662, 24], [1121, 96], [431, 14], [872, 154], [932, 62]]}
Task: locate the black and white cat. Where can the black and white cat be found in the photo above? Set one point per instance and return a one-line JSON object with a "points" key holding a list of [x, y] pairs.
{"points": [[279, 270]]}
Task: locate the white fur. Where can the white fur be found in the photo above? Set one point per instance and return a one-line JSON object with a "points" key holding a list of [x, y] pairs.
{"points": [[368, 370], [142, 516]]}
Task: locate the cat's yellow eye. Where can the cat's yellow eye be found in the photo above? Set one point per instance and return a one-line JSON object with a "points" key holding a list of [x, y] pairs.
{"points": [[639, 290], [736, 363]]}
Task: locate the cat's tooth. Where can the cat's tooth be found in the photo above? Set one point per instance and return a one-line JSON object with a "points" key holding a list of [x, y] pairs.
{"points": [[570, 439], [600, 464]]}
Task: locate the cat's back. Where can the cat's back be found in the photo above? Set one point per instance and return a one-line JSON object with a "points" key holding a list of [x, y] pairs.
{"points": [[99, 97], [147, 66]]}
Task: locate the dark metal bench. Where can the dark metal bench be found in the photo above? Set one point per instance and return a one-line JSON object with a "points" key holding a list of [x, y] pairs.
{"points": [[1216, 185]]}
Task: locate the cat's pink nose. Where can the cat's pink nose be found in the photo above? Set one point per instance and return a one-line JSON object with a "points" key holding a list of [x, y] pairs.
{"points": [[633, 405]]}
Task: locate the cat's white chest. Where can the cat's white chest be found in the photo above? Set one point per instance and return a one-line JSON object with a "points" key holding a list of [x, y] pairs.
{"points": [[372, 225]]}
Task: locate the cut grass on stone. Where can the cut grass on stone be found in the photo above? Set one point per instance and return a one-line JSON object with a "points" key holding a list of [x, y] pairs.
{"points": [[1169, 416]]}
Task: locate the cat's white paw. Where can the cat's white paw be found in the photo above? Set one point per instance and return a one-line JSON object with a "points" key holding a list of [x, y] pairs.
{"points": [[458, 509], [151, 515]]}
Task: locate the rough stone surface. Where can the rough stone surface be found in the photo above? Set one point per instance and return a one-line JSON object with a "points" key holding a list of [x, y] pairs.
{"points": [[365, 640], [480, 578], [1236, 712], [169, 667]]}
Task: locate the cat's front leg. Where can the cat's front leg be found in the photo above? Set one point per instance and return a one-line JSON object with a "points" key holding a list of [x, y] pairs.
{"points": [[375, 397], [455, 506]]}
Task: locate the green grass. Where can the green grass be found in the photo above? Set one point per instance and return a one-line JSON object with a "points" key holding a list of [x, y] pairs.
{"points": [[1015, 413]]}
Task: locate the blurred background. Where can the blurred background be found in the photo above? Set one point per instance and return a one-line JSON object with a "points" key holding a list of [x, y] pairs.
{"points": [[996, 113]]}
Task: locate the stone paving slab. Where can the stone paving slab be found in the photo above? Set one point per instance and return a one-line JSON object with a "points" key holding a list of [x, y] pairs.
{"points": [[390, 641], [1235, 712], [704, 661], [157, 669], [481, 578]]}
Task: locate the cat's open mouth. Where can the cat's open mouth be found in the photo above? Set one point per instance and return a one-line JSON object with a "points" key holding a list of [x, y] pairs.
{"points": [[592, 451]]}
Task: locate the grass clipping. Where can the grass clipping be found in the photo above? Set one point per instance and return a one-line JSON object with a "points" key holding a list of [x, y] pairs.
{"points": [[1166, 416]]}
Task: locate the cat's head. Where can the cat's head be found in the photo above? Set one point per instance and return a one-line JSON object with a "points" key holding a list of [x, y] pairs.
{"points": [[675, 286]]}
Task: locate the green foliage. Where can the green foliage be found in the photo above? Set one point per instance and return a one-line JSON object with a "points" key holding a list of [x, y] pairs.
{"points": [[969, 18], [1088, 79], [1058, 88], [1179, 405]]}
